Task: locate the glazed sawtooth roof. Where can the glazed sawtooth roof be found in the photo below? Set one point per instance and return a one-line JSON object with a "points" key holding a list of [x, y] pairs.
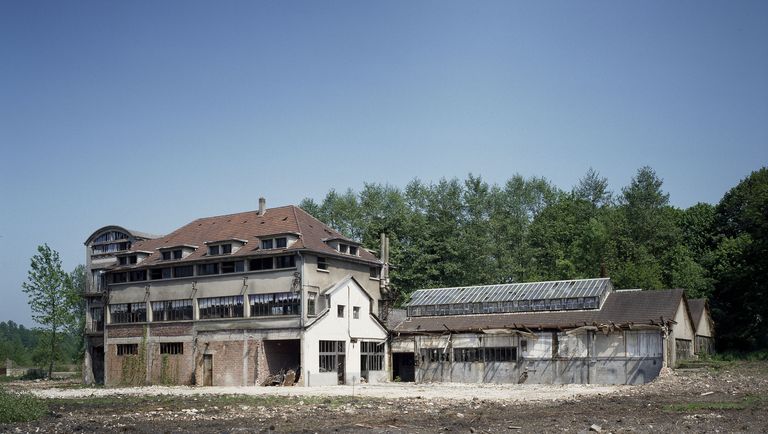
{"points": [[252, 227], [620, 307]]}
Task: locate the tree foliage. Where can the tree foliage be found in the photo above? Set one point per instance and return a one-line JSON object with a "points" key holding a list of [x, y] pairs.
{"points": [[464, 232], [54, 300]]}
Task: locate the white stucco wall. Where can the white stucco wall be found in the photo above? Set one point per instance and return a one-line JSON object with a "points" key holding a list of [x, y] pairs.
{"points": [[330, 327]]}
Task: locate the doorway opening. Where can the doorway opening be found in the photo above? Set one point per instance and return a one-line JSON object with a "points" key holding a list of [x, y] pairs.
{"points": [[403, 367]]}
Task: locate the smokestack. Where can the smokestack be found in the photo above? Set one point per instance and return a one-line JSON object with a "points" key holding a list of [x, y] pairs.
{"points": [[262, 206]]}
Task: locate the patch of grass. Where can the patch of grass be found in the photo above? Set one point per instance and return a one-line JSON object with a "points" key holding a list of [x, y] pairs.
{"points": [[20, 407], [747, 402]]}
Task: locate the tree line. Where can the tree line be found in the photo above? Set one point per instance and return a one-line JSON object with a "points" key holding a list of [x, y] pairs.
{"points": [[466, 232]]}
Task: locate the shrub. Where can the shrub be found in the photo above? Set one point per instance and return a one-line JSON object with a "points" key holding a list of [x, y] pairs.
{"points": [[19, 407]]}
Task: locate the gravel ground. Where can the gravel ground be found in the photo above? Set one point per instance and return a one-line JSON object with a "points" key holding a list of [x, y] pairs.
{"points": [[450, 391], [724, 397]]}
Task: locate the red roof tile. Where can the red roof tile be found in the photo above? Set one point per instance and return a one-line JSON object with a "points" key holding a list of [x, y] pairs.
{"points": [[252, 227]]}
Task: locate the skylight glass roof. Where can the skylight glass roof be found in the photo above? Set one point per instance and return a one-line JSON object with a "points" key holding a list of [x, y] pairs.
{"points": [[560, 289]]}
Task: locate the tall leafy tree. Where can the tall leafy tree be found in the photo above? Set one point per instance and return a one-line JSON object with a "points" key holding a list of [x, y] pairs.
{"points": [[52, 299], [740, 265]]}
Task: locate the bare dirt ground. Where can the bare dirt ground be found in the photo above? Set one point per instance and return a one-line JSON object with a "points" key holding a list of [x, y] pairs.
{"points": [[723, 397]]}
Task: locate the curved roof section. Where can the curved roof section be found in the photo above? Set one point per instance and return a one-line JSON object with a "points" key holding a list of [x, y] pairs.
{"points": [[552, 290], [135, 234]]}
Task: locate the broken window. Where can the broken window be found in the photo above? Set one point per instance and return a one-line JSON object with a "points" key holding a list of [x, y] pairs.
{"points": [[467, 355], [262, 264], [281, 303], [221, 307], [434, 355], [311, 303], [184, 271], [160, 273], [119, 277], [127, 349], [285, 261], [172, 348], [322, 263], [128, 312], [97, 320], [500, 354], [172, 310], [329, 355], [372, 356], [233, 267], [207, 269], [138, 275]]}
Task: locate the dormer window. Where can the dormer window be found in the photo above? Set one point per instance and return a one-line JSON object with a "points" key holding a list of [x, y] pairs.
{"points": [[226, 249], [274, 243], [348, 249], [172, 254], [125, 260]]}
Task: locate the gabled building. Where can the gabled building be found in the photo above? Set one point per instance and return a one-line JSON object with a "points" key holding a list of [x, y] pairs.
{"points": [[704, 326], [237, 299], [573, 331]]}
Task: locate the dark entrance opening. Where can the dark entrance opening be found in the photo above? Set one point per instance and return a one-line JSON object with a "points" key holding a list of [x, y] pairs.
{"points": [[97, 364], [403, 367], [282, 356], [207, 369]]}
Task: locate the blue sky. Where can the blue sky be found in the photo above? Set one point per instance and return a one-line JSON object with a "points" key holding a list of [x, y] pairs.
{"points": [[152, 114]]}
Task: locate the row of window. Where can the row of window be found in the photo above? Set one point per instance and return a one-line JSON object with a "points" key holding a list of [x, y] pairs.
{"points": [[281, 303], [257, 264], [332, 354], [172, 348], [110, 248], [110, 236], [466, 355], [505, 306]]}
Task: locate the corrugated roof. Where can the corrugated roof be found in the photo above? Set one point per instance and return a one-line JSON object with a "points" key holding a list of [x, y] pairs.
{"points": [[511, 292], [635, 307]]}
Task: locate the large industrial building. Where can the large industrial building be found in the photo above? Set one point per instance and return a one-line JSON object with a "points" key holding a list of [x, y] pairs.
{"points": [[235, 300], [573, 331], [243, 299]]}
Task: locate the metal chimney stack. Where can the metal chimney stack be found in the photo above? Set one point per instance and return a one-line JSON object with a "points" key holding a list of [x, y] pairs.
{"points": [[262, 206]]}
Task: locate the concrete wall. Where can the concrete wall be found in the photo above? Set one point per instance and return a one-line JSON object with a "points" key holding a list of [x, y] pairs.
{"points": [[329, 326], [628, 357]]}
